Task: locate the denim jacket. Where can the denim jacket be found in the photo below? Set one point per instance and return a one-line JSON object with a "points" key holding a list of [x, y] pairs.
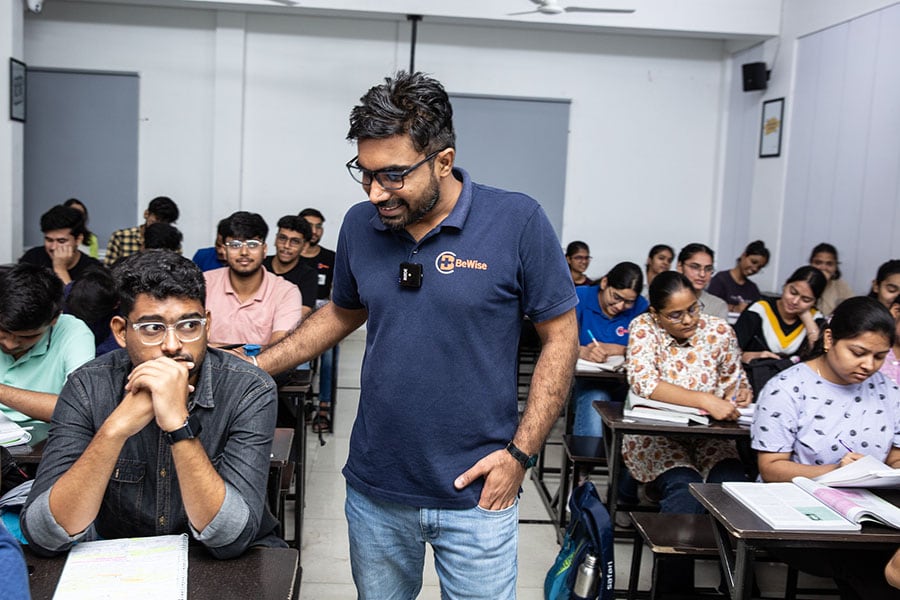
{"points": [[236, 404]]}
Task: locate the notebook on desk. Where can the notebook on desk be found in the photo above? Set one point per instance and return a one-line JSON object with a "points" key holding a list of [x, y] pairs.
{"points": [[612, 365]]}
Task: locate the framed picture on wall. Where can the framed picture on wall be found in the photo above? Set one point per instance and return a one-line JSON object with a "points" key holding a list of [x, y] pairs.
{"points": [[770, 130], [17, 87]]}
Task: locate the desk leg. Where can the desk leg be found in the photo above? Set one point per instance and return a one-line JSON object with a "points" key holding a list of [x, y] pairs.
{"points": [[614, 459], [736, 563]]}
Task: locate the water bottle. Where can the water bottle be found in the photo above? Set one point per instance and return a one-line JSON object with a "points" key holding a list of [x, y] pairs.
{"points": [[587, 580]]}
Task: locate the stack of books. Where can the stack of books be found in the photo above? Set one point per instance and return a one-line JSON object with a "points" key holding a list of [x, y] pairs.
{"points": [[637, 407]]}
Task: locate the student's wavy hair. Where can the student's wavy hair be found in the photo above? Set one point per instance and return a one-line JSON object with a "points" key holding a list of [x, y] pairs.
{"points": [[164, 209], [298, 224], [63, 217], [664, 286], [160, 274], [688, 252], [854, 317], [625, 276], [163, 236], [244, 225], [407, 103], [827, 248], [575, 246], [812, 276], [30, 297]]}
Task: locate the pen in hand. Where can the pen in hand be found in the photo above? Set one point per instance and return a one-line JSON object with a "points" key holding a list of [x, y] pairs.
{"points": [[593, 339], [737, 387], [849, 449]]}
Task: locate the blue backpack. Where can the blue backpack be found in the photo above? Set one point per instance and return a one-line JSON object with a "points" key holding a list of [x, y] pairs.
{"points": [[590, 531]]}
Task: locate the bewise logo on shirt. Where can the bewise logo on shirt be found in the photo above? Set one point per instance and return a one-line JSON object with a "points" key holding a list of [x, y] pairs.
{"points": [[447, 262]]}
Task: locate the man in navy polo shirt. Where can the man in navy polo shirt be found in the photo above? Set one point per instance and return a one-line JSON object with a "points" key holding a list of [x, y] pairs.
{"points": [[443, 270]]}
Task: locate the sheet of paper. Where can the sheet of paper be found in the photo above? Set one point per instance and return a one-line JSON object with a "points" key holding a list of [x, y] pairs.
{"points": [[11, 433], [149, 568], [612, 364], [868, 472]]}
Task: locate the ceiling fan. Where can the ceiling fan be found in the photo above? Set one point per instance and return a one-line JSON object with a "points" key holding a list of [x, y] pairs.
{"points": [[552, 7]]}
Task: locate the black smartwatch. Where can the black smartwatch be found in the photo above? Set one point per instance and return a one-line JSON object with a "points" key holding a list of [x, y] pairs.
{"points": [[525, 460], [188, 431]]}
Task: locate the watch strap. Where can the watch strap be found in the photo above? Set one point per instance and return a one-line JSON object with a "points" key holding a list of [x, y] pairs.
{"points": [[190, 430], [526, 461]]}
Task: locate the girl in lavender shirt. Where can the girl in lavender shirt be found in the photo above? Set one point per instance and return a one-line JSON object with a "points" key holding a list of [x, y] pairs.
{"points": [[826, 412]]}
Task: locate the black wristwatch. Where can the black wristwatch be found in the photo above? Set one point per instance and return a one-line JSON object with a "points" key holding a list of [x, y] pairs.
{"points": [[188, 431], [525, 460]]}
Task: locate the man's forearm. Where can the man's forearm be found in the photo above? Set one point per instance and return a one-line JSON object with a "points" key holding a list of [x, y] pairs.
{"points": [[550, 382], [76, 496], [202, 488], [37, 405], [322, 330]]}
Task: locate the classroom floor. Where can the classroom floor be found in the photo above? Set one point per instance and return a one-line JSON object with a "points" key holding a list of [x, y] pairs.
{"points": [[325, 557]]}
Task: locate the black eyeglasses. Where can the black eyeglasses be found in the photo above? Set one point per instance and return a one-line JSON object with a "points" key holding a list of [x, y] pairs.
{"points": [[388, 179]]}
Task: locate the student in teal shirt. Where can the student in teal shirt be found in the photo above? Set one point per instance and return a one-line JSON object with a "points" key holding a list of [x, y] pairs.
{"points": [[39, 347]]}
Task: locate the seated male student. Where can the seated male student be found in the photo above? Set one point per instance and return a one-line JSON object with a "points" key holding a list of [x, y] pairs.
{"points": [[162, 437], [63, 228], [213, 257], [39, 347], [125, 242], [252, 305], [293, 234]]}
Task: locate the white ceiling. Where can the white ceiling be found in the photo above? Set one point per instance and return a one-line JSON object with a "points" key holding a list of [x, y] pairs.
{"points": [[747, 20]]}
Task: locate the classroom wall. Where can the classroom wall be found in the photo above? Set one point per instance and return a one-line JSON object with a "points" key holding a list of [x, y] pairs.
{"points": [[250, 111], [766, 178], [11, 136]]}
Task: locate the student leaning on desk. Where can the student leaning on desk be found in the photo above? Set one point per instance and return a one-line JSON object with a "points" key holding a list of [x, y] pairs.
{"points": [[829, 411], [163, 436], [678, 354]]}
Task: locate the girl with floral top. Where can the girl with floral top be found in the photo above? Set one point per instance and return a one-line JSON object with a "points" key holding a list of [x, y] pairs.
{"points": [[678, 354], [830, 411]]}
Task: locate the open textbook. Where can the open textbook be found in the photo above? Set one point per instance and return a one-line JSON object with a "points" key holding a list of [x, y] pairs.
{"points": [[148, 568], [867, 472], [11, 433], [644, 408], [612, 364], [805, 505]]}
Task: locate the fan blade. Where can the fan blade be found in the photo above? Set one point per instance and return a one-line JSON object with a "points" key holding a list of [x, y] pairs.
{"points": [[527, 12], [584, 9]]}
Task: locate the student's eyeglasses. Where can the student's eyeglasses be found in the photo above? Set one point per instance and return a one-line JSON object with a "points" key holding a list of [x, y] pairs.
{"points": [[238, 244], [388, 179], [581, 257], [617, 299], [700, 268], [295, 242], [678, 316], [153, 333]]}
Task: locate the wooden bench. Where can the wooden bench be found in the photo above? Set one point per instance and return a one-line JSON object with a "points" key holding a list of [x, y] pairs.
{"points": [[670, 535]]}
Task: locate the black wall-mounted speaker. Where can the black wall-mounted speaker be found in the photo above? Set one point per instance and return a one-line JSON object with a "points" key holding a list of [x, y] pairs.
{"points": [[756, 76]]}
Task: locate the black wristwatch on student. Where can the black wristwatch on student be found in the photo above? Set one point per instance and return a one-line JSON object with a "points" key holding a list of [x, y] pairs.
{"points": [[188, 431], [525, 460]]}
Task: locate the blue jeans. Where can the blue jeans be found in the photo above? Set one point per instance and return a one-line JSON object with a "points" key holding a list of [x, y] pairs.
{"points": [[587, 420], [673, 485], [474, 549]]}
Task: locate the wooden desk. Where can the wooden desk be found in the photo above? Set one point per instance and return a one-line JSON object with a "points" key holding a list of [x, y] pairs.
{"points": [[740, 533], [261, 573], [31, 453], [615, 427]]}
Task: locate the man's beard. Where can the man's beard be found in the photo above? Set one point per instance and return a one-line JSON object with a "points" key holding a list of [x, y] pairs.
{"points": [[433, 195]]}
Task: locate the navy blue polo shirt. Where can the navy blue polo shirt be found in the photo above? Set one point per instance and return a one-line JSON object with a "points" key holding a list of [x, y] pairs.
{"points": [[438, 382]]}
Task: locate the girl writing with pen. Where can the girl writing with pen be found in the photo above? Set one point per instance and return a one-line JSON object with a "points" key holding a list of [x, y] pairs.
{"points": [[829, 411], [604, 313], [679, 354]]}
